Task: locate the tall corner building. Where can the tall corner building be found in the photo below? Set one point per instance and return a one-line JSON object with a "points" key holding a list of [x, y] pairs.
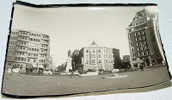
{"points": [[27, 48], [143, 40], [96, 57]]}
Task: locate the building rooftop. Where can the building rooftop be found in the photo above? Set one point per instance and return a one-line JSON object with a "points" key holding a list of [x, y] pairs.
{"points": [[94, 44]]}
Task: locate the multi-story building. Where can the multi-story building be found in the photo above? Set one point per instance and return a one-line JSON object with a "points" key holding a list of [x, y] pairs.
{"points": [[144, 49], [28, 49], [116, 58], [96, 57]]}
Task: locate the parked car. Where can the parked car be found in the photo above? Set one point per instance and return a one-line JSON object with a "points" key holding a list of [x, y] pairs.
{"points": [[16, 70], [115, 70], [9, 70], [47, 72]]}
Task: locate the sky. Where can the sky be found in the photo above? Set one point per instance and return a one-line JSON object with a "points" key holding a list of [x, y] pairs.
{"points": [[72, 28]]}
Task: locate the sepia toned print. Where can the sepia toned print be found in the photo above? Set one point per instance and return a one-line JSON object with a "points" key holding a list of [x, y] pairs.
{"points": [[68, 50]]}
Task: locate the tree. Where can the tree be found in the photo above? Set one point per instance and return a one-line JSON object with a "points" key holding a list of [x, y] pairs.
{"points": [[61, 68], [76, 60]]}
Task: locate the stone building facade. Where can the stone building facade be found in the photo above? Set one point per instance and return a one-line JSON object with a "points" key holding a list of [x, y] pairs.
{"points": [[96, 57], [28, 49], [142, 31]]}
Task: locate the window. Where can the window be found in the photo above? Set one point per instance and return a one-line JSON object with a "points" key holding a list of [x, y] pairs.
{"points": [[100, 61], [93, 51], [141, 48], [136, 54], [99, 56], [135, 34], [24, 59], [21, 59], [94, 56], [35, 54], [143, 54], [93, 61], [147, 52], [87, 56], [99, 50], [86, 62], [105, 61], [45, 50], [144, 38], [137, 44], [138, 49], [140, 38], [136, 39]]}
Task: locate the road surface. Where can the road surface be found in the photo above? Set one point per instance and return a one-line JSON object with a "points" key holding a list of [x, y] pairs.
{"points": [[28, 85]]}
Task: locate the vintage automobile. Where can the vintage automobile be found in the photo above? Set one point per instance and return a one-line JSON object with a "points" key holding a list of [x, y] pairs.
{"points": [[47, 72]]}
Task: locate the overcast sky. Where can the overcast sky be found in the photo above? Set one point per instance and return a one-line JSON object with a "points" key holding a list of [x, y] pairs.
{"points": [[76, 27]]}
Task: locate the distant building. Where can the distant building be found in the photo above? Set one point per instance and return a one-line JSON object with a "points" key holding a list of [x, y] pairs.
{"points": [[142, 39], [28, 49], [96, 57], [116, 58]]}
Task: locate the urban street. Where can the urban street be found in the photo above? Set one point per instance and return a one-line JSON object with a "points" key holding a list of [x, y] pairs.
{"points": [[28, 85]]}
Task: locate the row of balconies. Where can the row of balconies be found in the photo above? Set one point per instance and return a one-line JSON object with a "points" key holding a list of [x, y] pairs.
{"points": [[98, 56], [141, 54], [99, 61], [27, 38], [138, 23], [138, 29], [29, 59]]}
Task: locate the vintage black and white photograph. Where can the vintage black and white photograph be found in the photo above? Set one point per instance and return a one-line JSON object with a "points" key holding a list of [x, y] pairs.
{"points": [[78, 49]]}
